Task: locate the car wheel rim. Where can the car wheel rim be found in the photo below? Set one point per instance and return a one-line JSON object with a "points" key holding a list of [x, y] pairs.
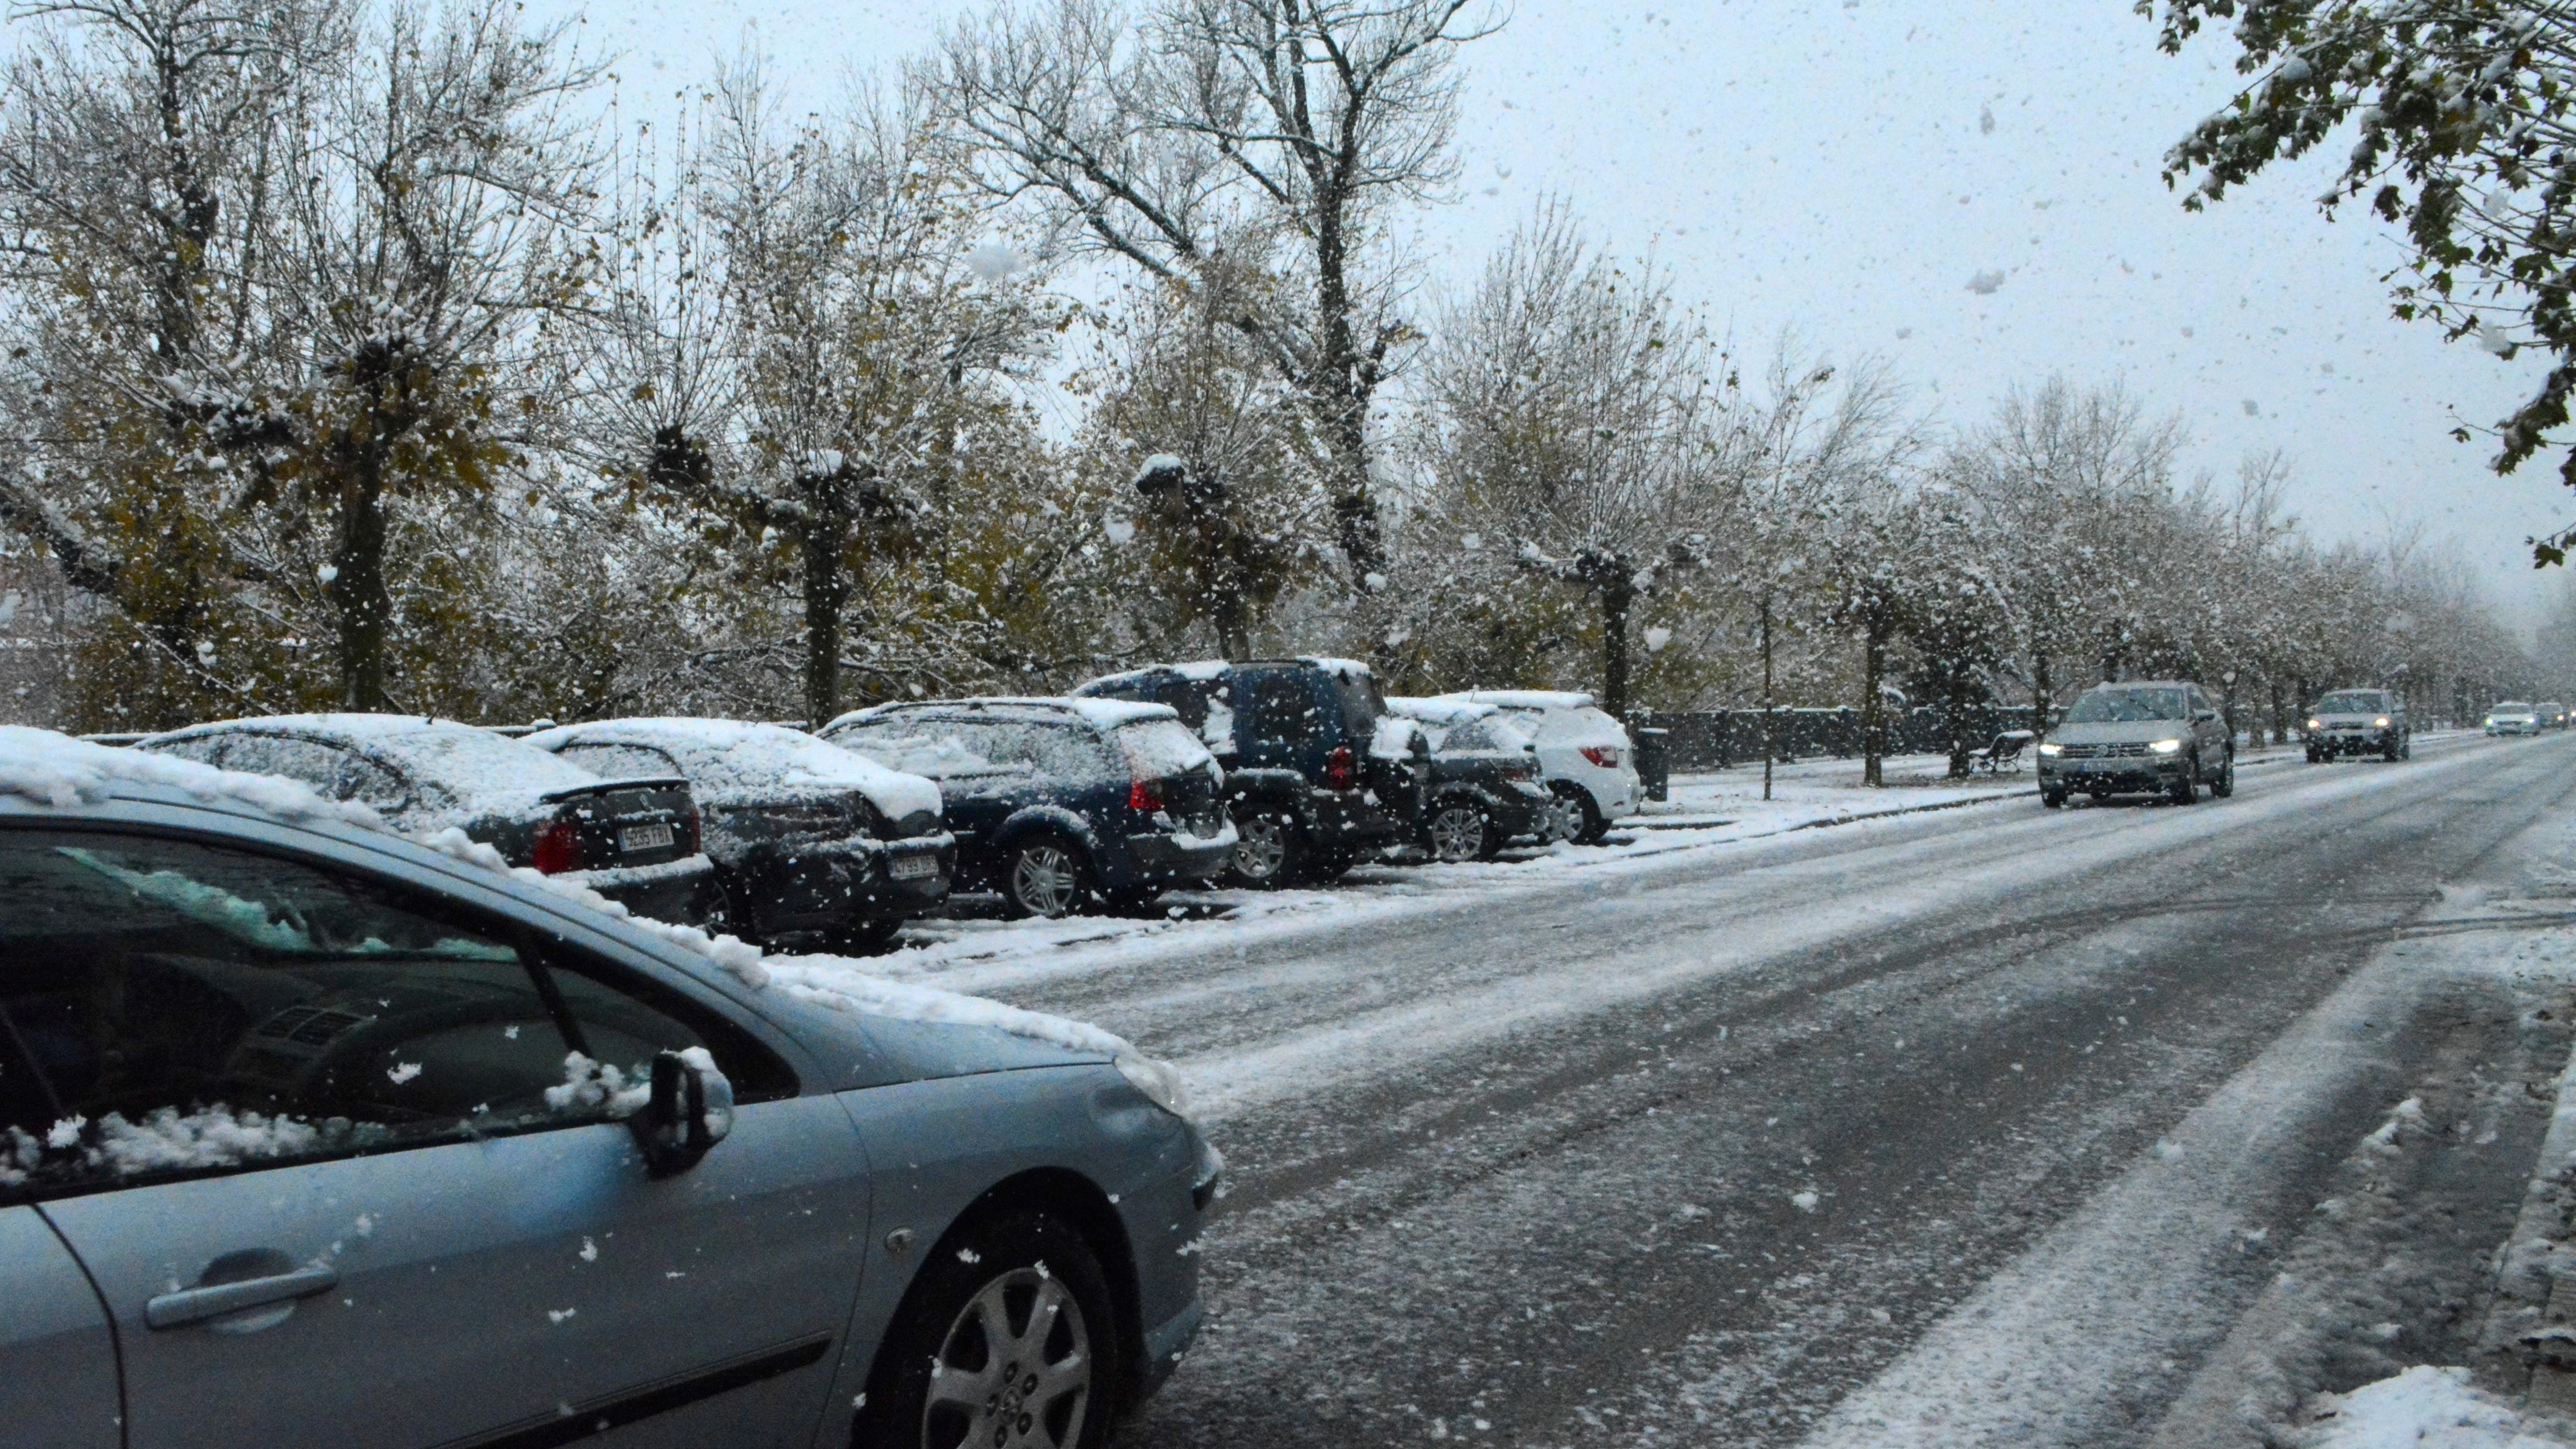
{"points": [[1457, 833], [1045, 880], [1013, 1370], [1259, 847]]}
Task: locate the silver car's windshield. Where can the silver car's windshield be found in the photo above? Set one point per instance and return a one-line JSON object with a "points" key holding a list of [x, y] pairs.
{"points": [[2126, 706], [2351, 701]]}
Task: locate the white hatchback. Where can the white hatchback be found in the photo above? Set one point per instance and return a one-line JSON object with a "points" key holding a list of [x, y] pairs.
{"points": [[1583, 754]]}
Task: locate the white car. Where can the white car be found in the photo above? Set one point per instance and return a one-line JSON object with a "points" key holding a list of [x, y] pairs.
{"points": [[2513, 717], [1583, 754]]}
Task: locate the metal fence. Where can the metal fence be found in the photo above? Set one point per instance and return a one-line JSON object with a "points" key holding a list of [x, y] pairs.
{"points": [[1715, 739]]}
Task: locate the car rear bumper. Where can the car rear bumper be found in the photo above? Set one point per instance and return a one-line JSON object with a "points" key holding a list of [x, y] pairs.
{"points": [[683, 892], [835, 883], [1349, 820], [1170, 855]]}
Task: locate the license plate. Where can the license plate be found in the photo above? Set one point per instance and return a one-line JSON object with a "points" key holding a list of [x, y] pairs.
{"points": [[644, 837], [913, 867]]}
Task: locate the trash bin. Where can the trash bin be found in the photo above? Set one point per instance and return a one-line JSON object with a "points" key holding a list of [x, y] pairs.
{"points": [[1655, 762]]}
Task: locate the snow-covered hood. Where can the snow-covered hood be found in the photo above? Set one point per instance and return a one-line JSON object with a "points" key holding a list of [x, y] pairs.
{"points": [[43, 770], [729, 757], [2144, 731]]}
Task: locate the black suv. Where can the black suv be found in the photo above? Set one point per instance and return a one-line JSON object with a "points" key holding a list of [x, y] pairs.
{"points": [[1310, 779]]}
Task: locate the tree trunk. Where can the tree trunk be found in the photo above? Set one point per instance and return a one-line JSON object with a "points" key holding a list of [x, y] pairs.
{"points": [[2280, 735], [361, 604], [1342, 385], [1618, 598], [1873, 704], [823, 541], [1770, 746], [2043, 694]]}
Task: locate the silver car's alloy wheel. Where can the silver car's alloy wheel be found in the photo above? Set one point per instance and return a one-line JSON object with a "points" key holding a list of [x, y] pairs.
{"points": [[1014, 1369], [1564, 820], [1046, 880], [1260, 847], [1458, 833]]}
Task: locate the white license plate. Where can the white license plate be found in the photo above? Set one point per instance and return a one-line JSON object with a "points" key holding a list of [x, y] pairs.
{"points": [[913, 867], [644, 837]]}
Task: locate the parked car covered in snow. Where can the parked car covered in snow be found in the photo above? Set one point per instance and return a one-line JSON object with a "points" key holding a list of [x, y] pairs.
{"points": [[1584, 755], [2359, 722], [2159, 737], [814, 844], [1312, 783], [1059, 803], [2513, 717], [633, 841], [1485, 788], [311, 1134]]}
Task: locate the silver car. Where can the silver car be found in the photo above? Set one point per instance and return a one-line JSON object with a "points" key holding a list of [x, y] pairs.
{"points": [[2359, 722], [2160, 737], [311, 1135]]}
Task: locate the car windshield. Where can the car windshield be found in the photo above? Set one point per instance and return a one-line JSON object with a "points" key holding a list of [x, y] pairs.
{"points": [[2127, 706], [2511, 706], [2352, 701], [944, 747]]}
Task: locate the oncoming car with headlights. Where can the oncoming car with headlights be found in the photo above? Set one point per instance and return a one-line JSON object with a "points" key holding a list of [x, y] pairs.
{"points": [[2159, 737], [2359, 722], [314, 1134]]}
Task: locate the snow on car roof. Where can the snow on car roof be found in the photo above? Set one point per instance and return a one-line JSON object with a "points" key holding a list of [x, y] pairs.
{"points": [[1526, 698], [54, 771], [479, 770], [1442, 710], [1349, 669], [1101, 713], [724, 754]]}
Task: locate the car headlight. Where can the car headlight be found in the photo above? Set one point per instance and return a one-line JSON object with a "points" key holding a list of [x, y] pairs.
{"points": [[2316, 724], [2382, 722], [1160, 1083], [2166, 747], [2052, 751]]}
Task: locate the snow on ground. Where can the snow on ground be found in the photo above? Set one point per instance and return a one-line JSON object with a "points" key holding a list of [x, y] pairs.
{"points": [[2427, 1408]]}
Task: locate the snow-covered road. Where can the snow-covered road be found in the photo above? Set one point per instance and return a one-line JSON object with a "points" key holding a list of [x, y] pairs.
{"points": [[1986, 1125]]}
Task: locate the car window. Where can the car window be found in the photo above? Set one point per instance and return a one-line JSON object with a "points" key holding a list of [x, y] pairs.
{"points": [[949, 747], [359, 778], [2126, 706], [1283, 708], [311, 761], [169, 1006], [621, 762], [204, 749], [1157, 749]]}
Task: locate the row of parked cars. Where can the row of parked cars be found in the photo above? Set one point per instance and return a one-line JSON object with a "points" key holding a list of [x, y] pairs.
{"points": [[1257, 774], [2521, 717]]}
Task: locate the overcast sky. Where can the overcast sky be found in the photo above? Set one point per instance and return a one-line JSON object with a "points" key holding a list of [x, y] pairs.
{"points": [[1848, 168]]}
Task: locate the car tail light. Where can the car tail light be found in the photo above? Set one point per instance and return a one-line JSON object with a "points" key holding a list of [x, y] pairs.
{"points": [[558, 847], [1145, 795], [1606, 756], [1341, 769], [693, 832]]}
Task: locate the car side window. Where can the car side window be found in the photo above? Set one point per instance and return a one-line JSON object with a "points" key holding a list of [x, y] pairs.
{"points": [[359, 778], [314, 763], [170, 1007], [204, 749], [1283, 709]]}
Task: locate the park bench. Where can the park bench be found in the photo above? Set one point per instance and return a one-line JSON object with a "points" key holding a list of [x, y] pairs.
{"points": [[2005, 754]]}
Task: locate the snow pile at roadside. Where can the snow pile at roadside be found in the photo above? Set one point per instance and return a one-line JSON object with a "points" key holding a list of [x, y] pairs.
{"points": [[2426, 1408], [55, 770]]}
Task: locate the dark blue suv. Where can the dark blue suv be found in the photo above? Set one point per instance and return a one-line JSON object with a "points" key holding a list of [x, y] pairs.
{"points": [[1059, 803], [1311, 781]]}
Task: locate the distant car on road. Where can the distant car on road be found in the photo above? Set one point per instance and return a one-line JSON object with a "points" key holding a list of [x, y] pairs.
{"points": [[1584, 755], [2153, 737], [2553, 715], [2359, 722], [313, 1135], [815, 845], [2513, 717], [633, 841], [1485, 788], [1312, 782], [1059, 804]]}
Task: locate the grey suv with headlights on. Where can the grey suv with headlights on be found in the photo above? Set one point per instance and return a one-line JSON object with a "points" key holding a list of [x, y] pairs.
{"points": [[2359, 722], [2155, 737]]}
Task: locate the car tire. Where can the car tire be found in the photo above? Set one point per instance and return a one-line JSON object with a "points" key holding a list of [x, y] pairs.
{"points": [[1269, 850], [1594, 824], [2393, 752], [1018, 1291], [2053, 799], [1046, 875], [2316, 758], [1459, 830], [2225, 785], [2186, 786], [2406, 748]]}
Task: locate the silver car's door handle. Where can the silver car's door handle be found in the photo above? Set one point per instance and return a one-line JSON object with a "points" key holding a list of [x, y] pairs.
{"points": [[196, 1305]]}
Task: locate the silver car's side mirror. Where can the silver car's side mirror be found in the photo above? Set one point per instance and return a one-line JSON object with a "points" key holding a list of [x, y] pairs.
{"points": [[689, 1111]]}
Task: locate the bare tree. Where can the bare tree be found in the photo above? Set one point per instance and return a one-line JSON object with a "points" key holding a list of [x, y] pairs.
{"points": [[1200, 132]]}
